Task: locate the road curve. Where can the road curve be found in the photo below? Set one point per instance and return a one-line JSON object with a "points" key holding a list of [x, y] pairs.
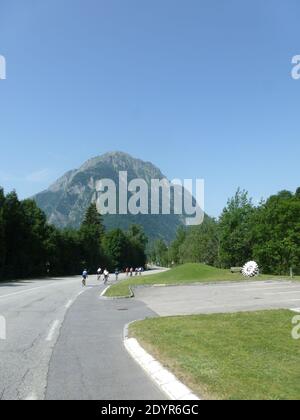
{"points": [[65, 342]]}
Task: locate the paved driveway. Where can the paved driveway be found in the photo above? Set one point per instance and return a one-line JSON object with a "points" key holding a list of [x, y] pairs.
{"points": [[220, 298]]}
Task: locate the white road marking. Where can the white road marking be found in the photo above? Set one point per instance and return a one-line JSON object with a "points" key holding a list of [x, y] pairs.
{"points": [[31, 397], [52, 330], [271, 288], [238, 285], [69, 304], [282, 293], [297, 310], [104, 291]]}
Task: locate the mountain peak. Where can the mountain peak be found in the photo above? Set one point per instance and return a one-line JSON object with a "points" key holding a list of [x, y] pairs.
{"points": [[116, 158], [66, 201]]}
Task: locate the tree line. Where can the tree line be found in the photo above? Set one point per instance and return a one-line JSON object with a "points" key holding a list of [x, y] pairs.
{"points": [[31, 247], [268, 233]]}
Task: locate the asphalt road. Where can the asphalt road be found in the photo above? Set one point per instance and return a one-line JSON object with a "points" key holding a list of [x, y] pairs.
{"points": [[34, 311], [89, 361], [220, 298]]}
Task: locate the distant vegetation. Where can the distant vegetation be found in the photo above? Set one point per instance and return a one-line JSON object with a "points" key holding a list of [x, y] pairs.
{"points": [[29, 246], [268, 233]]}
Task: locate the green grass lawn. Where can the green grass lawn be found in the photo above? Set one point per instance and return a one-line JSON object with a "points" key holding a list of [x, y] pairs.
{"points": [[187, 273], [228, 356]]}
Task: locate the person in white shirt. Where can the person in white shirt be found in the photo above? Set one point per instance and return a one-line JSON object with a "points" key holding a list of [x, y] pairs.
{"points": [[106, 276]]}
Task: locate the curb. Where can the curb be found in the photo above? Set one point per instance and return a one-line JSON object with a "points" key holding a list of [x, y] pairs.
{"points": [[130, 296], [104, 291], [164, 379]]}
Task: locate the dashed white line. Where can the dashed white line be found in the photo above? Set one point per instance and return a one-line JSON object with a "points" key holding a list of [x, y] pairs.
{"points": [[52, 330]]}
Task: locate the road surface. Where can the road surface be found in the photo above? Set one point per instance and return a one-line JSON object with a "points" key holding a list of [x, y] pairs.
{"points": [[84, 359], [220, 298]]}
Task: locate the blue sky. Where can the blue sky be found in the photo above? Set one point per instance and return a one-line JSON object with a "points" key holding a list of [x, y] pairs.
{"points": [[202, 88]]}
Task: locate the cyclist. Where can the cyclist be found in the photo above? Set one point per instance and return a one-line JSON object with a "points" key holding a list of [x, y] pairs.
{"points": [[99, 272], [106, 276], [84, 277]]}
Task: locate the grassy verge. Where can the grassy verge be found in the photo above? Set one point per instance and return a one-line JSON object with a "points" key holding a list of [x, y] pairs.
{"points": [[231, 356], [187, 273]]}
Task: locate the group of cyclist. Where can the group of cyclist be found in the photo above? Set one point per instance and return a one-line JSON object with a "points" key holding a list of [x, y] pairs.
{"points": [[131, 271], [100, 273], [105, 273]]}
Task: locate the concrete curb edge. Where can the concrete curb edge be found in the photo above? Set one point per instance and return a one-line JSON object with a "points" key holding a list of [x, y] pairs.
{"points": [[164, 379]]}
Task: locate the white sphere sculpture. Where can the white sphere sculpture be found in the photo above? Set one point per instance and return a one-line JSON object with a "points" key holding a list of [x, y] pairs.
{"points": [[250, 269]]}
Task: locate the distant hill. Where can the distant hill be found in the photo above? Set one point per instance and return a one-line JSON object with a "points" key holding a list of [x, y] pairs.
{"points": [[66, 201]]}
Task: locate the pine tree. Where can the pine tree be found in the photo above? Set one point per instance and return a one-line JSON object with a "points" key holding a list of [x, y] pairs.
{"points": [[92, 232], [93, 218]]}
